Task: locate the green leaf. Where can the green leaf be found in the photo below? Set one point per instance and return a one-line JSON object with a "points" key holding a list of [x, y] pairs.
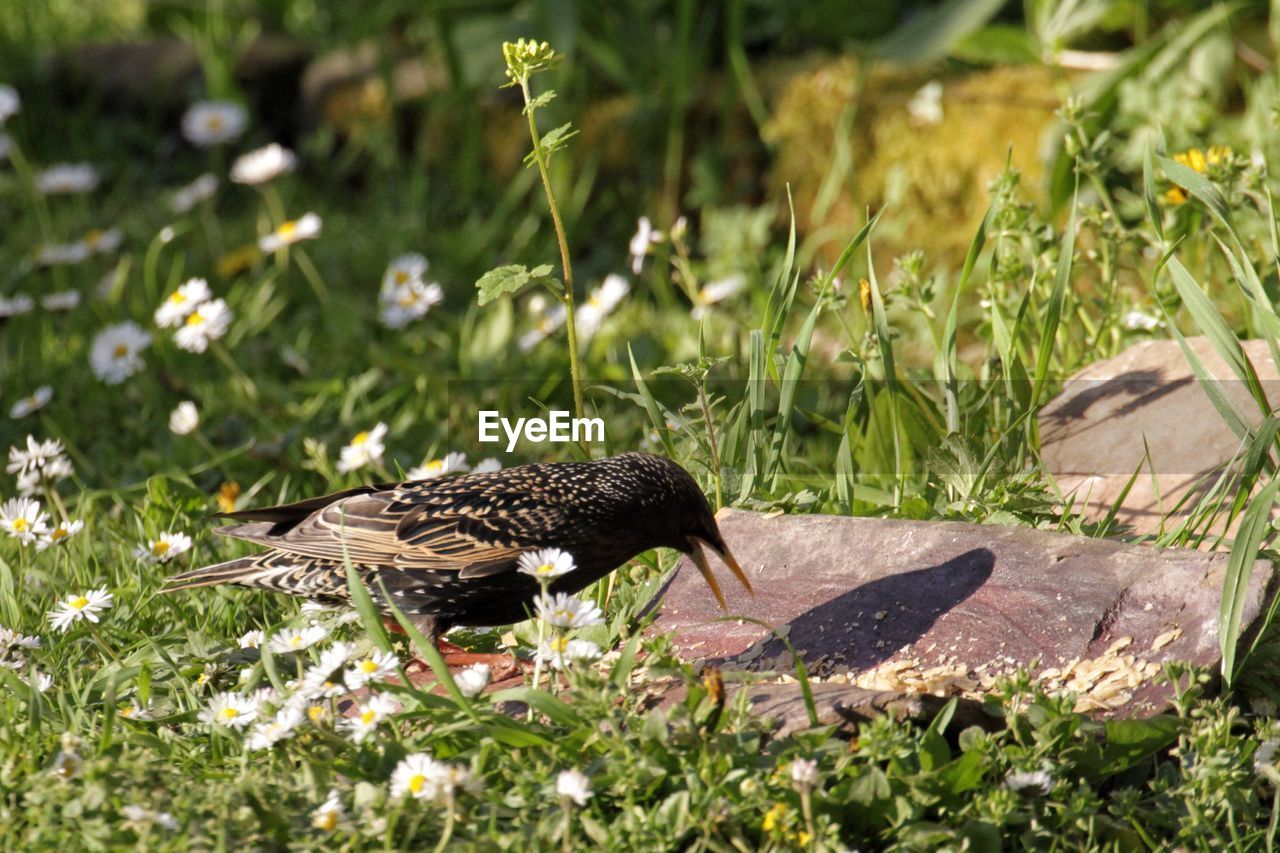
{"points": [[540, 101], [508, 279], [931, 34], [1057, 298], [651, 406], [1235, 586], [998, 44]]}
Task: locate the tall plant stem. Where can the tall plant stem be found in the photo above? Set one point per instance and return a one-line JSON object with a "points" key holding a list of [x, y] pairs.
{"points": [[570, 323]]}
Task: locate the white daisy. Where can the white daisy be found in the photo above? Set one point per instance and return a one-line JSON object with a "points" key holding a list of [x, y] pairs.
{"points": [[252, 639], [296, 639], [408, 302], [804, 773], [573, 785], [179, 304], [10, 103], [138, 817], [22, 519], [63, 254], [546, 563], [262, 165], [1140, 320], [187, 197], [42, 681], [184, 418], [36, 401], [415, 776], [208, 322], [306, 227], [644, 237], [473, 680], [1032, 781], [925, 105], [717, 291], [366, 448], [98, 242], [134, 711], [550, 320], [368, 716], [73, 608], [116, 352], [66, 178], [208, 123], [568, 611], [267, 733], [59, 534], [19, 303], [321, 679], [43, 458], [600, 303], [163, 548], [487, 466], [378, 666], [562, 652], [404, 269], [11, 639], [65, 300], [328, 814], [452, 463], [230, 710], [66, 764]]}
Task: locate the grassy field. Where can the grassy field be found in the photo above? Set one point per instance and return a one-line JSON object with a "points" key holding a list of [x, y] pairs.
{"points": [[308, 319]]}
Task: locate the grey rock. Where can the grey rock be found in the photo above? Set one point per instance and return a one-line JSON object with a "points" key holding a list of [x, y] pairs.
{"points": [[885, 606], [1092, 434]]}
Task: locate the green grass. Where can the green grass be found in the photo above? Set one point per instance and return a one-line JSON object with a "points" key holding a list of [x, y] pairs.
{"points": [[787, 395]]}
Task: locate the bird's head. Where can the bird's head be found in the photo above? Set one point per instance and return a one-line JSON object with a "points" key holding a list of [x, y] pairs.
{"points": [[684, 520]]}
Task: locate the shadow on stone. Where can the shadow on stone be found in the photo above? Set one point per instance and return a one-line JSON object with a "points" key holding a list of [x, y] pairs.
{"points": [[865, 626]]}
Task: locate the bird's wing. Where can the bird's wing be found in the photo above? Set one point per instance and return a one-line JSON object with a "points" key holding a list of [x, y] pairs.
{"points": [[452, 527]]}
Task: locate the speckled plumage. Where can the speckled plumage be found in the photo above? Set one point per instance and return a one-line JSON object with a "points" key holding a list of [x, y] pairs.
{"points": [[446, 549]]}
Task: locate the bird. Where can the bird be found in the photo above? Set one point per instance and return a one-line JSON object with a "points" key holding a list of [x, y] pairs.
{"points": [[445, 551]]}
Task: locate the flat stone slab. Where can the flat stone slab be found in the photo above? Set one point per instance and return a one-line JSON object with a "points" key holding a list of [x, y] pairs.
{"points": [[1099, 429], [944, 608]]}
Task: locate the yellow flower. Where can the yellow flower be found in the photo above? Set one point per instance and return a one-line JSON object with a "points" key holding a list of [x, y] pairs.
{"points": [[227, 494], [237, 261], [864, 295], [774, 817]]}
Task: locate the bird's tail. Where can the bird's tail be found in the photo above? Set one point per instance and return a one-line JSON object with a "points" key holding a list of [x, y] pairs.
{"points": [[232, 571]]}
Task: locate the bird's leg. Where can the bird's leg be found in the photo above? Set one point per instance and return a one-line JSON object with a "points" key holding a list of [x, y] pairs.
{"points": [[502, 666]]}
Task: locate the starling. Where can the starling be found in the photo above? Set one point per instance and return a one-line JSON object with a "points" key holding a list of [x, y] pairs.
{"points": [[446, 550]]}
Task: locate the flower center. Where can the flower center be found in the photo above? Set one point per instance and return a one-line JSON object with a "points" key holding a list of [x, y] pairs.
{"points": [[368, 666], [287, 229], [160, 547], [177, 297], [560, 644], [435, 465], [416, 782], [369, 717], [214, 122], [360, 439], [295, 641], [328, 820], [195, 318], [21, 524], [93, 238], [315, 713], [230, 713], [401, 276], [120, 351], [59, 534]]}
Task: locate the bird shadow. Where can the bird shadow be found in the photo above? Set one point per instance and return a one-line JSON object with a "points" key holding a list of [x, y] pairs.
{"points": [[867, 625]]}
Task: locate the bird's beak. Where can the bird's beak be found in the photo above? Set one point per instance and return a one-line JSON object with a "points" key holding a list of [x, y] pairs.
{"points": [[700, 560]]}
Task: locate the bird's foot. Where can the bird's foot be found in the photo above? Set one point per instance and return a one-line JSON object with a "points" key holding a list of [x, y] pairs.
{"points": [[501, 667]]}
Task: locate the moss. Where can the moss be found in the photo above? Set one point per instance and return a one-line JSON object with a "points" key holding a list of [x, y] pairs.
{"points": [[934, 176]]}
